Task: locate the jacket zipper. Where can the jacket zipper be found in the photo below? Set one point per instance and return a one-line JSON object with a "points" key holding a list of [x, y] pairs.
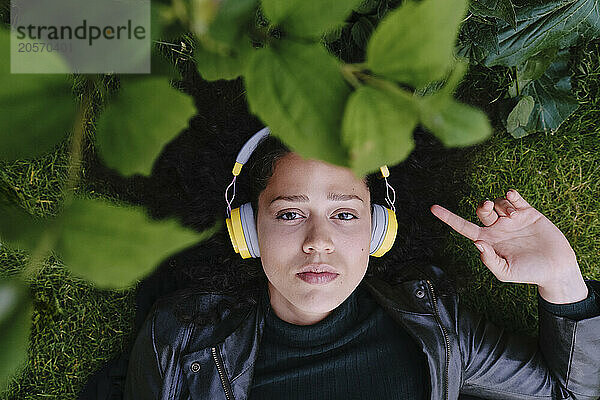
{"points": [[221, 370], [437, 317]]}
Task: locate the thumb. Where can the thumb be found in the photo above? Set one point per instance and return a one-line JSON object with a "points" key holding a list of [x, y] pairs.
{"points": [[493, 261]]}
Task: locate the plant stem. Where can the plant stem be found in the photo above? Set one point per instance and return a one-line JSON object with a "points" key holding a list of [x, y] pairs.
{"points": [[48, 238], [354, 74], [75, 160], [348, 71], [386, 86]]}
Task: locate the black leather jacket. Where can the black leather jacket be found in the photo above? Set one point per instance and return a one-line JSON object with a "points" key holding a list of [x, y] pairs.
{"points": [[466, 354]]}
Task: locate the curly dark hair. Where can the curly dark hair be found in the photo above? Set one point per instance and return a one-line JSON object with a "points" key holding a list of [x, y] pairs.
{"points": [[261, 166]]}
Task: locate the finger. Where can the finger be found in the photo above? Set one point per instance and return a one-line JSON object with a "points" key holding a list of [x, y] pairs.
{"points": [[496, 264], [460, 225], [517, 199], [486, 213], [503, 207]]}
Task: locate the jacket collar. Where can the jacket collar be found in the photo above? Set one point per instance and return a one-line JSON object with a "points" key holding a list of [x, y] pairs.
{"points": [[409, 303]]}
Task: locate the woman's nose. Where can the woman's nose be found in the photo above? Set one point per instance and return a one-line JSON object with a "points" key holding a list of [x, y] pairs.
{"points": [[318, 239]]}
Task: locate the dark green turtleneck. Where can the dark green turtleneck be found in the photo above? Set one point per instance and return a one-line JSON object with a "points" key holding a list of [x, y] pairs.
{"points": [[356, 352]]}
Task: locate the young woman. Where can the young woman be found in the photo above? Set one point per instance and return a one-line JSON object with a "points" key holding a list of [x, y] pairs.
{"points": [[321, 327]]}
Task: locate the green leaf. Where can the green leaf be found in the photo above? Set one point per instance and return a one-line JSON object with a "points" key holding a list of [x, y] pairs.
{"points": [[377, 129], [518, 117], [448, 85], [232, 20], [454, 78], [166, 30], [159, 66], [502, 9], [477, 39], [30, 62], [223, 48], [36, 110], [298, 91], [15, 327], [532, 69], [554, 102], [361, 30], [554, 24], [308, 18], [414, 43], [20, 229], [535, 67], [131, 133], [454, 123], [113, 246], [231, 63], [165, 26]]}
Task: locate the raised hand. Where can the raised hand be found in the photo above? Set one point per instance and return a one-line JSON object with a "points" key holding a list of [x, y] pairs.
{"points": [[519, 244]]}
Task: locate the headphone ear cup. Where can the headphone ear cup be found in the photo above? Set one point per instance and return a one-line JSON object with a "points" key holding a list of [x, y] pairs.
{"points": [[231, 233], [249, 227], [384, 227], [242, 231]]}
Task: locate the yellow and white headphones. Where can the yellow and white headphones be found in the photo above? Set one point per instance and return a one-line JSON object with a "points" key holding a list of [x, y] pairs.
{"points": [[242, 228]]}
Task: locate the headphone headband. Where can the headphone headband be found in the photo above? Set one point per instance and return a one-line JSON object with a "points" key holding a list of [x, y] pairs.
{"points": [[251, 144], [248, 148]]}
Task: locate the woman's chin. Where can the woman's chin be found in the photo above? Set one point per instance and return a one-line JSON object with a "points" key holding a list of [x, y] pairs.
{"points": [[319, 303]]}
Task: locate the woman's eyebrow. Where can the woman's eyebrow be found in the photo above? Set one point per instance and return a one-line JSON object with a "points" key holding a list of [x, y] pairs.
{"points": [[302, 198], [342, 197]]}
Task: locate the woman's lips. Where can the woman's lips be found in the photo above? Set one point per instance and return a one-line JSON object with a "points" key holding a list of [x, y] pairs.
{"points": [[317, 278]]}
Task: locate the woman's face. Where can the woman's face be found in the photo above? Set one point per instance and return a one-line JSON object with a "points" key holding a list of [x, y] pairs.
{"points": [[312, 213]]}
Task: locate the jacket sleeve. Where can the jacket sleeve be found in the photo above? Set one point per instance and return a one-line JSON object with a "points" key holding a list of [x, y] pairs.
{"points": [[144, 375], [563, 363]]}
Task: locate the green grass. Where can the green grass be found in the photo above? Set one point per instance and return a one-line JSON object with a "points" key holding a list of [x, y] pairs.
{"points": [[77, 328]]}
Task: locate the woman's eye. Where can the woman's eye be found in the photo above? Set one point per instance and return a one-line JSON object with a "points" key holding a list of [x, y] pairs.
{"points": [[347, 215], [287, 213]]}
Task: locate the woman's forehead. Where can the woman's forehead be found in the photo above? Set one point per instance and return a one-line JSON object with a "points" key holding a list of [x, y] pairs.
{"points": [[300, 180], [294, 168]]}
